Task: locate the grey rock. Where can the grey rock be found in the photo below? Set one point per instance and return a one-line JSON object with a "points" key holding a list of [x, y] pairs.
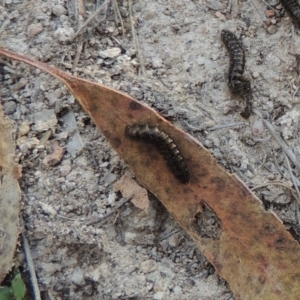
{"points": [[148, 266], [156, 62], [246, 42], [44, 120], [9, 107], [272, 29], [216, 5], [110, 178], [110, 53], [177, 289], [75, 143], [59, 10], [77, 277]]}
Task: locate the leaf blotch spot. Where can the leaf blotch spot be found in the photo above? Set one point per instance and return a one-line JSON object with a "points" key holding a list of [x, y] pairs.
{"points": [[280, 241], [269, 229], [107, 133], [116, 142], [202, 172], [135, 105], [218, 182]]}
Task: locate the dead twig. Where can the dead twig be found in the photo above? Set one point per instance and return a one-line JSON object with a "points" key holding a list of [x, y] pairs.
{"points": [[80, 13], [295, 185], [292, 177], [34, 282], [135, 40], [294, 94], [103, 7], [234, 8], [117, 13], [221, 126], [259, 11], [282, 184], [169, 234], [116, 217], [279, 140], [272, 8], [104, 218]]}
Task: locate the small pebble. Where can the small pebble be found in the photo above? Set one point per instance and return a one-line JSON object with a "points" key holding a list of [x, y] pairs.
{"points": [[175, 240], [220, 16], [27, 143], [59, 10], [177, 290], [34, 29], [24, 128], [110, 178], [44, 120], [64, 170], [77, 277], [258, 127], [64, 34], [55, 157], [110, 53], [270, 13], [48, 209], [156, 62], [246, 42], [272, 29], [9, 107], [19, 85], [148, 266], [255, 74], [111, 198]]}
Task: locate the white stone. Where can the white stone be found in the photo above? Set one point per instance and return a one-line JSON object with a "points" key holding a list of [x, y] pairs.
{"points": [[110, 53]]}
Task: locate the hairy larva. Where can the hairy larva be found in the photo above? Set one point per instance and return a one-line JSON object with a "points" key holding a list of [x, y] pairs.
{"points": [[293, 9], [236, 81], [164, 144], [247, 96]]}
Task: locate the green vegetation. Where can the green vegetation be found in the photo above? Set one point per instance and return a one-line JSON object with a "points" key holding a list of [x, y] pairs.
{"points": [[16, 291]]}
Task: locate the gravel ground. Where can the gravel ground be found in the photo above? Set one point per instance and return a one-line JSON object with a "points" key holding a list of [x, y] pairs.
{"points": [[181, 68]]}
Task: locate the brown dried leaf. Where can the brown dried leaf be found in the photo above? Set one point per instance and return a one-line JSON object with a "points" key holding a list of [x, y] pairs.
{"points": [[127, 186], [9, 196], [247, 245]]}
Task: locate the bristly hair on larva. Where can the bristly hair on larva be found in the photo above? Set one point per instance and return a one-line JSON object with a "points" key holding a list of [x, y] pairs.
{"points": [[293, 9], [236, 81], [165, 146]]}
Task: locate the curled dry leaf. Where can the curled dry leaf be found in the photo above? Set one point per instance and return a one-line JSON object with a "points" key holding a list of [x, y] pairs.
{"points": [[127, 186], [10, 172], [248, 246]]}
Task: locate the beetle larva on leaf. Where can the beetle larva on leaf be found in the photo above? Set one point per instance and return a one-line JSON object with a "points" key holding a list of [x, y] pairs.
{"points": [[165, 146]]}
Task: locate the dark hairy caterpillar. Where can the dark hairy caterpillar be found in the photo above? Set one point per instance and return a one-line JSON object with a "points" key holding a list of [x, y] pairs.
{"points": [[236, 81], [248, 99], [165, 145], [293, 9]]}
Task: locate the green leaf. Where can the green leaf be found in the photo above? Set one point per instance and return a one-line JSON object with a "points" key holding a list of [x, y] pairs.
{"points": [[6, 294], [18, 287]]}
